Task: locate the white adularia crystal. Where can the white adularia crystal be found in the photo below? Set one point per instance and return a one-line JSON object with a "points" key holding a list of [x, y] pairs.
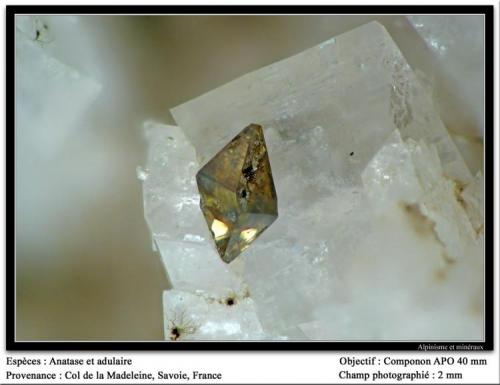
{"points": [[210, 301], [457, 42], [358, 87], [380, 218], [54, 171], [193, 317], [50, 96]]}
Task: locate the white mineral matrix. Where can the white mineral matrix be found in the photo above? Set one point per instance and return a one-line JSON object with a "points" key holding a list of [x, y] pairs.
{"points": [[380, 227]]}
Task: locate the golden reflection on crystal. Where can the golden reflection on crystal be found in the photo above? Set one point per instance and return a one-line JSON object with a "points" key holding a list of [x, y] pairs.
{"points": [[219, 229], [244, 247], [248, 235]]}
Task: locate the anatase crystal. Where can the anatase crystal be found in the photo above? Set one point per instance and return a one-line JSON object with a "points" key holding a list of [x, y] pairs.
{"points": [[237, 194]]}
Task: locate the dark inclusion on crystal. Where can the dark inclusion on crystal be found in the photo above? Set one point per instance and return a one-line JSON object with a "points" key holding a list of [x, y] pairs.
{"points": [[237, 194]]}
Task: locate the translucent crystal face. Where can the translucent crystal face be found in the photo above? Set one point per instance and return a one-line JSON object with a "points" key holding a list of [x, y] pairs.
{"points": [[237, 194]]}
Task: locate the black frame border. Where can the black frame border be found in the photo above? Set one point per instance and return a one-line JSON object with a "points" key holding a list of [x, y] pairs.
{"points": [[13, 345]]}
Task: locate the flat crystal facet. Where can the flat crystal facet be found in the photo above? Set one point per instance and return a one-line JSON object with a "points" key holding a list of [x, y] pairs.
{"points": [[237, 194]]}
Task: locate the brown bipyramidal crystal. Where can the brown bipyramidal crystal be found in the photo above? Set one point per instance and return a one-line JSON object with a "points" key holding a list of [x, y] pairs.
{"points": [[237, 194]]}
